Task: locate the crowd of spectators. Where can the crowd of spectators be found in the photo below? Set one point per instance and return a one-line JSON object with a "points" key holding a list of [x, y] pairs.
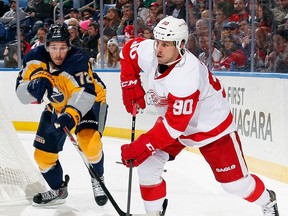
{"points": [[222, 38]]}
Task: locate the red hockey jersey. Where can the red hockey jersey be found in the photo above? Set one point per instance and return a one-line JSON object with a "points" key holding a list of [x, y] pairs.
{"points": [[190, 100]]}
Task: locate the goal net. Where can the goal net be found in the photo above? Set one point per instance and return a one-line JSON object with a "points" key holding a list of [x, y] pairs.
{"points": [[19, 177]]}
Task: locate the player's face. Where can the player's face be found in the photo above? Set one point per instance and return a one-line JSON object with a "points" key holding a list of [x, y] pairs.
{"points": [[166, 51], [58, 51]]}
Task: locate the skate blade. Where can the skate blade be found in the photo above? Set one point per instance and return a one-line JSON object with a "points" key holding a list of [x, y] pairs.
{"points": [[50, 204]]}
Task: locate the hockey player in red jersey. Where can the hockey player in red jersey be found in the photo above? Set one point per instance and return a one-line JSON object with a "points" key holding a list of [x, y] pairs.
{"points": [[193, 111]]}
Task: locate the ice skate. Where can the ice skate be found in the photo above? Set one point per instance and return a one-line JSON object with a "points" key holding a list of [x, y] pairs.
{"points": [[52, 197], [271, 209], [99, 195]]}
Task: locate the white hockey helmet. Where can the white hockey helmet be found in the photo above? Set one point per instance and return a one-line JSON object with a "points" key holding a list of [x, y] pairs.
{"points": [[171, 29]]}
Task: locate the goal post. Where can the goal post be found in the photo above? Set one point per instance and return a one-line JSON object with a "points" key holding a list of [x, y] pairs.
{"points": [[19, 177]]}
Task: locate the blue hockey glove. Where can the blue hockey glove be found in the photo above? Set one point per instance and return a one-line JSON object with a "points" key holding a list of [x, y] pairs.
{"points": [[38, 87], [64, 120]]}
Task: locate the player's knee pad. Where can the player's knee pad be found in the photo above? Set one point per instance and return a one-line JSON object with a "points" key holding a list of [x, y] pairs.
{"points": [[150, 171], [45, 160], [242, 187], [90, 143]]}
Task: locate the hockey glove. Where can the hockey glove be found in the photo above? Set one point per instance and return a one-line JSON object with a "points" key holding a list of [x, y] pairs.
{"points": [[64, 120], [38, 87], [137, 152], [133, 92]]}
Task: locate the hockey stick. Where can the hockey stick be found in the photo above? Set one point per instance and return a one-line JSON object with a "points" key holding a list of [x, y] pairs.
{"points": [[134, 111], [96, 176], [88, 164], [93, 173]]}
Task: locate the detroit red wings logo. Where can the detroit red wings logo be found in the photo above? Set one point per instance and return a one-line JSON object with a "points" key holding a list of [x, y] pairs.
{"points": [[165, 23], [158, 101]]}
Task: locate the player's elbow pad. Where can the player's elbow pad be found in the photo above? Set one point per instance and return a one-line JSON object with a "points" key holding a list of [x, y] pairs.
{"points": [[23, 95]]}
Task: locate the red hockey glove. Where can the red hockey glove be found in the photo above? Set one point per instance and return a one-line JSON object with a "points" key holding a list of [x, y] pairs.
{"points": [[133, 92], [138, 151]]}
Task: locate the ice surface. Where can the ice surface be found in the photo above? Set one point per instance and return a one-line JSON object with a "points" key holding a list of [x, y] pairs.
{"points": [[192, 190]]}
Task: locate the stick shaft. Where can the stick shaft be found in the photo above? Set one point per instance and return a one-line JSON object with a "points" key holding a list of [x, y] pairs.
{"points": [[93, 173], [131, 162]]}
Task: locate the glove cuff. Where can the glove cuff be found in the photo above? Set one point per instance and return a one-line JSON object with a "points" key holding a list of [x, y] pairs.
{"points": [[127, 84], [145, 144], [74, 113], [43, 74]]}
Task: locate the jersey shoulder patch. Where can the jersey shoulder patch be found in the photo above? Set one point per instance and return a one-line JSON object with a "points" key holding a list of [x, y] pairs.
{"points": [[184, 79]]}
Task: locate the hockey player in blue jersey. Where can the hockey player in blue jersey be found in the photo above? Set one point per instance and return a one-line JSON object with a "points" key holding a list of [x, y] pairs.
{"points": [[78, 97]]}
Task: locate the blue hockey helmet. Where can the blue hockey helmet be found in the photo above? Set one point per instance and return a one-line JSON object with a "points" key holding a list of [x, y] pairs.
{"points": [[58, 33]]}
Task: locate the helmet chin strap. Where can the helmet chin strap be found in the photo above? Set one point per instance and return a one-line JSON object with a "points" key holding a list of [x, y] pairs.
{"points": [[170, 63], [181, 52]]}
